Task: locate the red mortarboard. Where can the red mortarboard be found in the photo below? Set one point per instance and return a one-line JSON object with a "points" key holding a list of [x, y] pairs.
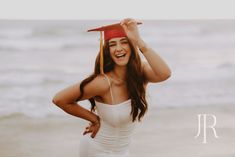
{"points": [[110, 31]]}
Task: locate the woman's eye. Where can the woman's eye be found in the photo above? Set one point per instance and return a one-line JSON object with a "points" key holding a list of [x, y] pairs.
{"points": [[110, 45], [124, 42]]}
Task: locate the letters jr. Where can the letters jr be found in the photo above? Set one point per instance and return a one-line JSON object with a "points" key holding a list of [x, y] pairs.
{"points": [[204, 126]]}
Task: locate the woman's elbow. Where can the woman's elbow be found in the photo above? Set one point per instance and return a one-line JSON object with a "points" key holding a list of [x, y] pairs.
{"points": [[57, 101], [166, 76]]}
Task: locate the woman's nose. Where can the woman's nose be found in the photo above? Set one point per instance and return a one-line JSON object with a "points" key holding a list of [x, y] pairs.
{"points": [[119, 47]]}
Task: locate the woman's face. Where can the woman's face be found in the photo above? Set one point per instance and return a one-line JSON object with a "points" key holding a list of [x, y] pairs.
{"points": [[120, 50]]}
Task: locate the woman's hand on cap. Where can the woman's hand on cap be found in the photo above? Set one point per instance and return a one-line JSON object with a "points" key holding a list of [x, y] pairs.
{"points": [[131, 29]]}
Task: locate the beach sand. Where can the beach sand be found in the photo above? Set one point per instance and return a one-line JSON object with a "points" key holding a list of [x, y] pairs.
{"points": [[164, 132]]}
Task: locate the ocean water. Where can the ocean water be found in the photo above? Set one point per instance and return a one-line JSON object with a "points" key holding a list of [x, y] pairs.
{"points": [[39, 58]]}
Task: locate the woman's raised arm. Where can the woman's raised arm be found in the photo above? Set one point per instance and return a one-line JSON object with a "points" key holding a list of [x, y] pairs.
{"points": [[156, 70]]}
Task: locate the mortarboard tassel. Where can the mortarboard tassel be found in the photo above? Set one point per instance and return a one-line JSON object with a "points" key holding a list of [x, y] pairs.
{"points": [[101, 54]]}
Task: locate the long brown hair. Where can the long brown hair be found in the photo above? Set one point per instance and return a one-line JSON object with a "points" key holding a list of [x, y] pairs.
{"points": [[135, 80]]}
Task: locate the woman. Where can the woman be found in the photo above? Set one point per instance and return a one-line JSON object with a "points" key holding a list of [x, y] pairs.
{"points": [[116, 90]]}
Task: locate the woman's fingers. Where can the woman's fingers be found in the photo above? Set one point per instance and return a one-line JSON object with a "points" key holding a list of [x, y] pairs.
{"points": [[92, 128], [132, 21], [124, 21], [94, 132], [87, 130], [128, 21], [96, 128]]}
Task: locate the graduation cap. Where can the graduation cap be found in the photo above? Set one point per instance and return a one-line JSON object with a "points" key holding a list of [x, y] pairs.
{"points": [[110, 31]]}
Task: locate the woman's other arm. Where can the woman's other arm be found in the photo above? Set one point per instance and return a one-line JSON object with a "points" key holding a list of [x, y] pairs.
{"points": [[66, 98]]}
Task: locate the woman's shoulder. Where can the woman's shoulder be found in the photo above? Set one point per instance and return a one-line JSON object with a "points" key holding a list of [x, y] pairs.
{"points": [[100, 83]]}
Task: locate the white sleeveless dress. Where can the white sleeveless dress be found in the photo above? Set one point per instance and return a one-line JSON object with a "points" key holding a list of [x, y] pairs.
{"points": [[114, 136]]}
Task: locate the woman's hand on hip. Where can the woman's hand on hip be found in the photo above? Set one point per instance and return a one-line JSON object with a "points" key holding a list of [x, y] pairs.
{"points": [[93, 128]]}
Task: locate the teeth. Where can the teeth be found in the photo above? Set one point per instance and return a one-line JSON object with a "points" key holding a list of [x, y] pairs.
{"points": [[120, 55]]}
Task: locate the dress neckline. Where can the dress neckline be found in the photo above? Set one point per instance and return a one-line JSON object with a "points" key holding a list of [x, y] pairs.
{"points": [[121, 103]]}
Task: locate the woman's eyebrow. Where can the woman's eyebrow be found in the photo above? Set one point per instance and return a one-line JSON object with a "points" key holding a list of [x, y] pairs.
{"points": [[123, 39], [112, 42]]}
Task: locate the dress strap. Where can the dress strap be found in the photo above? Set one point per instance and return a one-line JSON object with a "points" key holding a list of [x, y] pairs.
{"points": [[110, 87]]}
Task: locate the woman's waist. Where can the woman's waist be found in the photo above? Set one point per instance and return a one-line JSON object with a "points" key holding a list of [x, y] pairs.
{"points": [[116, 130], [114, 138]]}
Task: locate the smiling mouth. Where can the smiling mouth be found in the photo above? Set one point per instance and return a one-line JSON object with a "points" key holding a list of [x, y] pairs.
{"points": [[122, 55]]}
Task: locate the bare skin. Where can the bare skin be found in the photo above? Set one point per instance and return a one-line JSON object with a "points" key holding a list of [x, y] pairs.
{"points": [[155, 70]]}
